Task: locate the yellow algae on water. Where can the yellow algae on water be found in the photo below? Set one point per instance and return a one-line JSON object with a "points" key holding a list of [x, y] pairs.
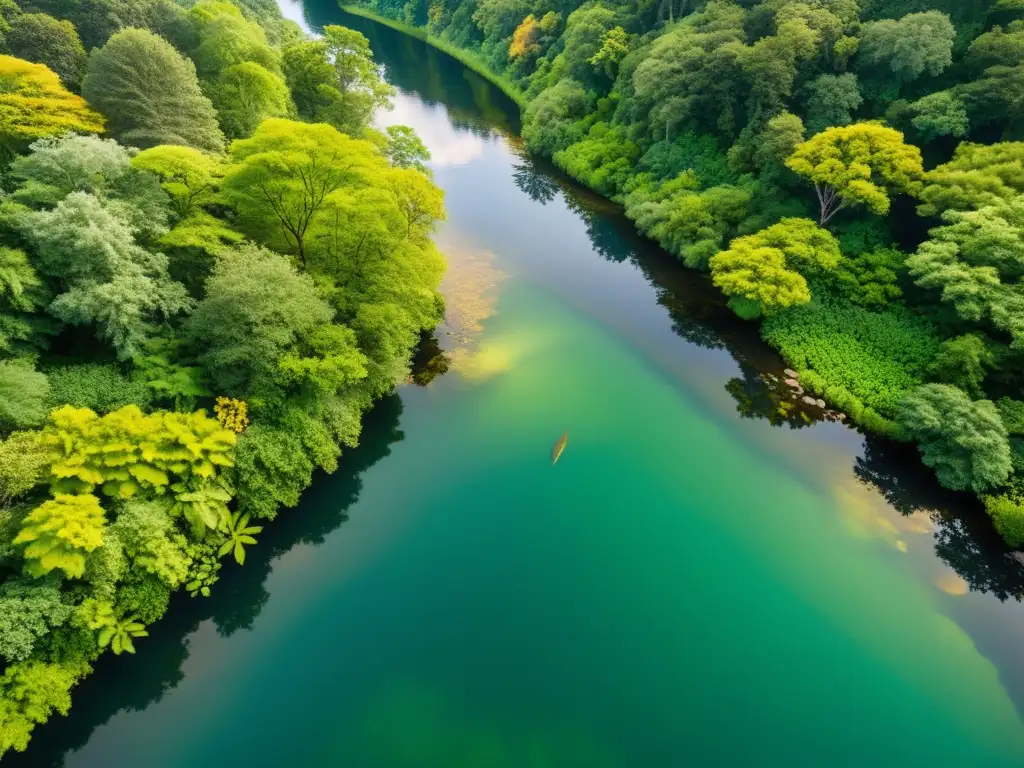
{"points": [[470, 294], [916, 522], [952, 584], [484, 363]]}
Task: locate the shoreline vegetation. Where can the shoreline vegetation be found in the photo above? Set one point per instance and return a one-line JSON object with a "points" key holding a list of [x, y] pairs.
{"points": [[846, 170], [211, 266], [465, 57]]}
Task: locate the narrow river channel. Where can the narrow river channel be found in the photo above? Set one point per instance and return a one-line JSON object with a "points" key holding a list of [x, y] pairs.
{"points": [[704, 579]]}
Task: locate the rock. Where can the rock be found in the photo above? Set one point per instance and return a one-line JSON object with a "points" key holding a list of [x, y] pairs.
{"points": [[809, 400], [791, 383], [1018, 556], [841, 416], [791, 373], [820, 403]]}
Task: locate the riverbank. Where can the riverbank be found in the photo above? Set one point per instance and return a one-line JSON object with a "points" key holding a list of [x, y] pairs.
{"points": [[465, 57]]}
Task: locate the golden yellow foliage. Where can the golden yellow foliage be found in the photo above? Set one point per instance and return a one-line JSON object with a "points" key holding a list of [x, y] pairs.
{"points": [[232, 414], [524, 39], [34, 104]]}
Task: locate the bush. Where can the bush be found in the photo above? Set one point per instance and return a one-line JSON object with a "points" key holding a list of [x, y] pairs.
{"points": [[1008, 515], [101, 388], [876, 357]]}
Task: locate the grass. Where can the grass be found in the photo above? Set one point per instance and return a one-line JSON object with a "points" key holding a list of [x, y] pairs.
{"points": [[467, 58]]}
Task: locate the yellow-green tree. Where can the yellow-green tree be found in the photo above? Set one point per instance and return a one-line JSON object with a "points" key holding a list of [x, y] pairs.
{"points": [[765, 268], [858, 164], [59, 534], [34, 104]]}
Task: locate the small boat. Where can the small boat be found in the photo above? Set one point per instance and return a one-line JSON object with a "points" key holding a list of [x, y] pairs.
{"points": [[556, 452]]}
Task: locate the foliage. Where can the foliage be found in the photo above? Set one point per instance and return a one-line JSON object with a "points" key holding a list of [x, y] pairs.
{"points": [[101, 387], [549, 122], [857, 165], [872, 277], [28, 611], [1007, 512], [979, 175], [23, 395], [34, 104], [43, 39], [146, 531], [875, 357], [232, 414], [23, 464], [187, 175], [907, 48], [405, 149], [113, 631], [238, 534], [964, 441], [149, 93], [29, 692], [59, 534], [245, 95], [767, 267]]}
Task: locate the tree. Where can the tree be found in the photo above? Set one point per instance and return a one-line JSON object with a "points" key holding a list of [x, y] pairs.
{"points": [[238, 534], [34, 104], [614, 46], [940, 114], [149, 537], [962, 361], [97, 20], [245, 95], [60, 533], [831, 101], [22, 294], [857, 165], [187, 175], [405, 149], [781, 136], [150, 94], [226, 39], [29, 692], [23, 395], [28, 611], [112, 282], [549, 122], [23, 462], [45, 40], [765, 268], [976, 261], [260, 323], [908, 47], [497, 19], [357, 89], [964, 441], [280, 179], [979, 175]]}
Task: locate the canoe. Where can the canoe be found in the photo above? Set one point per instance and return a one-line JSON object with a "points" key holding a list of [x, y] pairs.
{"points": [[556, 452]]}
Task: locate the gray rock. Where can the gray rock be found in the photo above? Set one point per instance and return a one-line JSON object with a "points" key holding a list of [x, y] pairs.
{"points": [[792, 383], [820, 403], [809, 400], [791, 373]]}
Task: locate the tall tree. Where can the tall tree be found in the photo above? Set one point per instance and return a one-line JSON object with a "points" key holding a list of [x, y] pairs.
{"points": [[150, 94], [43, 39], [857, 165]]}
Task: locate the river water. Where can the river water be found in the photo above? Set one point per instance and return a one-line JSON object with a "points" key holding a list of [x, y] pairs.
{"points": [[708, 576]]}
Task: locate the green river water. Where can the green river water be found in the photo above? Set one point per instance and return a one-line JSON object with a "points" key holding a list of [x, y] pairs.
{"points": [[697, 582]]}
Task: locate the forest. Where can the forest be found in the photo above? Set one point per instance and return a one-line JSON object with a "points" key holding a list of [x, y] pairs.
{"points": [[211, 266], [849, 172]]}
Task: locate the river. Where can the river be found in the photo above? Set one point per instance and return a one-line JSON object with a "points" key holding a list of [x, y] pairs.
{"points": [[708, 576]]}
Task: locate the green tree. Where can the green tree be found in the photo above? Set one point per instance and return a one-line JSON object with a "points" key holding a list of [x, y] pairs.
{"points": [[150, 539], [940, 114], [309, 75], [765, 268], [831, 101], [22, 294], [964, 441], [112, 283], [909, 47], [23, 395], [979, 175], [245, 95], [962, 362], [262, 322], [60, 533], [45, 40], [405, 149], [113, 631], [187, 175], [29, 692], [976, 261], [150, 94], [23, 463], [227, 39], [280, 179], [28, 611], [357, 89], [614, 46], [550, 120], [857, 165]]}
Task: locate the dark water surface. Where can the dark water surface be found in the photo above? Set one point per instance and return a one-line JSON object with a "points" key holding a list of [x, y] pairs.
{"points": [[703, 579]]}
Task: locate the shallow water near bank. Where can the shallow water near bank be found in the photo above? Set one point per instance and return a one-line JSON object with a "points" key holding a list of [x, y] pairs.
{"points": [[702, 579]]}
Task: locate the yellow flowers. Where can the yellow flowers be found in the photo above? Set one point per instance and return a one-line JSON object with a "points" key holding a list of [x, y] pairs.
{"points": [[232, 414]]}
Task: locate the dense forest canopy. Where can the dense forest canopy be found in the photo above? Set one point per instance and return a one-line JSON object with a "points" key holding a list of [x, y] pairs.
{"points": [[849, 171], [210, 266]]}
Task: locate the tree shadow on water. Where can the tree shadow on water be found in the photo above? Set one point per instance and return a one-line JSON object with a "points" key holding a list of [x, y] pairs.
{"points": [[133, 683]]}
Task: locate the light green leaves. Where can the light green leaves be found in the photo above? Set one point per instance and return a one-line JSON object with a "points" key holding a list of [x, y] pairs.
{"points": [[60, 533], [239, 533]]}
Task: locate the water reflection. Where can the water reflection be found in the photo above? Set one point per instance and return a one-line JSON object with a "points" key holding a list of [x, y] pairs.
{"points": [[133, 683], [964, 538]]}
